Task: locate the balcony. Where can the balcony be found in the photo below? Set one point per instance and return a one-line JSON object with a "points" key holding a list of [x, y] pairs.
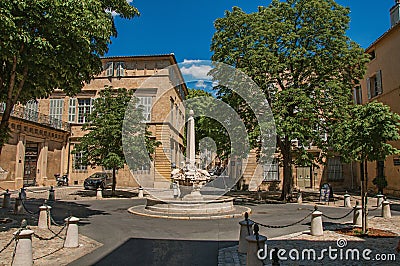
{"points": [[34, 116]]}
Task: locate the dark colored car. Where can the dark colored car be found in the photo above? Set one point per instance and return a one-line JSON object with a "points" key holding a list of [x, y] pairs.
{"points": [[98, 180]]}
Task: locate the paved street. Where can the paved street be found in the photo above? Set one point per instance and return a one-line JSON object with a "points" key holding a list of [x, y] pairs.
{"points": [[136, 240]]}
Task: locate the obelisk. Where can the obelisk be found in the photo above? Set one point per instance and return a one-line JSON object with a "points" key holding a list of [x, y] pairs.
{"points": [[191, 143]]}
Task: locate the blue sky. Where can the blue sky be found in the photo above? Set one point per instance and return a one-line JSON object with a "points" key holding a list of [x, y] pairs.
{"points": [[185, 27]]}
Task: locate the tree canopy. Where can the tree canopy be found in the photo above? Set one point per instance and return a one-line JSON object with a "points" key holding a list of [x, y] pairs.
{"points": [[298, 53], [52, 44], [364, 134]]}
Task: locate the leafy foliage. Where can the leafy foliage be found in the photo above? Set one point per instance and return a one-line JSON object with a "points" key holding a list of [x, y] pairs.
{"points": [[298, 53], [364, 134], [52, 44]]}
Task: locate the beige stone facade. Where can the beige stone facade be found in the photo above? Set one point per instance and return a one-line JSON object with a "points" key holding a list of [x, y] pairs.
{"points": [[382, 83], [160, 88]]}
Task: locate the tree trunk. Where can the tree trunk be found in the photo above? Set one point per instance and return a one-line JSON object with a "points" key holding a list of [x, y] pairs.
{"points": [[366, 198], [362, 179], [287, 170], [4, 130], [114, 184]]}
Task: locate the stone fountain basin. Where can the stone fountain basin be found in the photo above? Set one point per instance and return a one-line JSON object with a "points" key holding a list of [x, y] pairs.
{"points": [[207, 206]]}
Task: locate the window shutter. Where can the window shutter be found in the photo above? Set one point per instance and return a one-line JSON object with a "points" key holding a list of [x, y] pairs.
{"points": [[369, 88], [120, 69], [379, 82], [72, 110], [110, 69], [355, 95]]}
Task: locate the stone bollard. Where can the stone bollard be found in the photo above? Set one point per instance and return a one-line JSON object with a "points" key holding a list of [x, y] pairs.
{"points": [[7, 199], [299, 198], [141, 194], [357, 215], [316, 223], [18, 208], [386, 213], [347, 202], [99, 193], [246, 229], [72, 238], [379, 199], [23, 193], [52, 196], [44, 217], [254, 244], [23, 251]]}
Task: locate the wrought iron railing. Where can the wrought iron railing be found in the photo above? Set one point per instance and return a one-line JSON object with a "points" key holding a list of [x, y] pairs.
{"points": [[35, 116]]}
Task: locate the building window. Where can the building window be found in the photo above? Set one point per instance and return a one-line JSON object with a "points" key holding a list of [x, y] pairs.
{"points": [[271, 171], [84, 108], [145, 103], [78, 109], [357, 95], [109, 69], [171, 112], [72, 110], [77, 162], [120, 67], [31, 111], [56, 108], [335, 169], [374, 85], [372, 54]]}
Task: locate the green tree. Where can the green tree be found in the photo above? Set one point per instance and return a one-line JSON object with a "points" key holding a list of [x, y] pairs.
{"points": [[206, 126], [102, 145], [364, 134], [298, 53], [52, 44]]}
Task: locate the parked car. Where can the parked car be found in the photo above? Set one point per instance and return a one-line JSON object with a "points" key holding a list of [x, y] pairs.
{"points": [[98, 180]]}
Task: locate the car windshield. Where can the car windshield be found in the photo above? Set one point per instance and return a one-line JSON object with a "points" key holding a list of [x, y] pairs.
{"points": [[96, 176]]}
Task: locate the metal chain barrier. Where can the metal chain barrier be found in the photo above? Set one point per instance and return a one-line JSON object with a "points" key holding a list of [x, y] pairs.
{"points": [[283, 226], [8, 244], [377, 207], [26, 209], [33, 191], [339, 218], [50, 238], [16, 243]]}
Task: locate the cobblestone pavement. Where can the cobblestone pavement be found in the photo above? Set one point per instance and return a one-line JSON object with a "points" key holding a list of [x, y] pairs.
{"points": [[48, 252], [383, 250]]}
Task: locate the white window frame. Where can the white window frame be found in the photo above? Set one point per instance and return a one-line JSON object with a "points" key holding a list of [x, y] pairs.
{"points": [[374, 85], [120, 67], [72, 110], [83, 109], [77, 162], [271, 171], [146, 103], [110, 69]]}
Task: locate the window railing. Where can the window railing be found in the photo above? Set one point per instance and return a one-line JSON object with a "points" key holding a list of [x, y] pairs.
{"points": [[35, 116]]}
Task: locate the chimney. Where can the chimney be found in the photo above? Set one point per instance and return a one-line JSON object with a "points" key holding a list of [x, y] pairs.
{"points": [[395, 13]]}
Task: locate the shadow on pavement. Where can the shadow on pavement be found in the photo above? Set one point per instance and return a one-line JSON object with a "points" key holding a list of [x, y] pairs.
{"points": [[60, 210], [154, 252]]}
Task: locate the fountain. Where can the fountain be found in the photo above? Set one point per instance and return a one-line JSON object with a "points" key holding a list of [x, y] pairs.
{"points": [[193, 205]]}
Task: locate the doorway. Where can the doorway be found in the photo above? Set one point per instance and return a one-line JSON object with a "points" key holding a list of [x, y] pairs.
{"points": [[303, 175], [30, 166]]}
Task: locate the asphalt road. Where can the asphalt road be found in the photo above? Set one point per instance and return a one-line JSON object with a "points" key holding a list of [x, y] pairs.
{"points": [[136, 240]]}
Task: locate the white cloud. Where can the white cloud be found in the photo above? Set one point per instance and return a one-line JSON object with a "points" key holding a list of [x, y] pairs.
{"points": [[201, 84], [197, 71], [191, 61]]}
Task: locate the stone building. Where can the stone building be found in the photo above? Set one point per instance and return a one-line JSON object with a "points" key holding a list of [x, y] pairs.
{"points": [[382, 83], [161, 98]]}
